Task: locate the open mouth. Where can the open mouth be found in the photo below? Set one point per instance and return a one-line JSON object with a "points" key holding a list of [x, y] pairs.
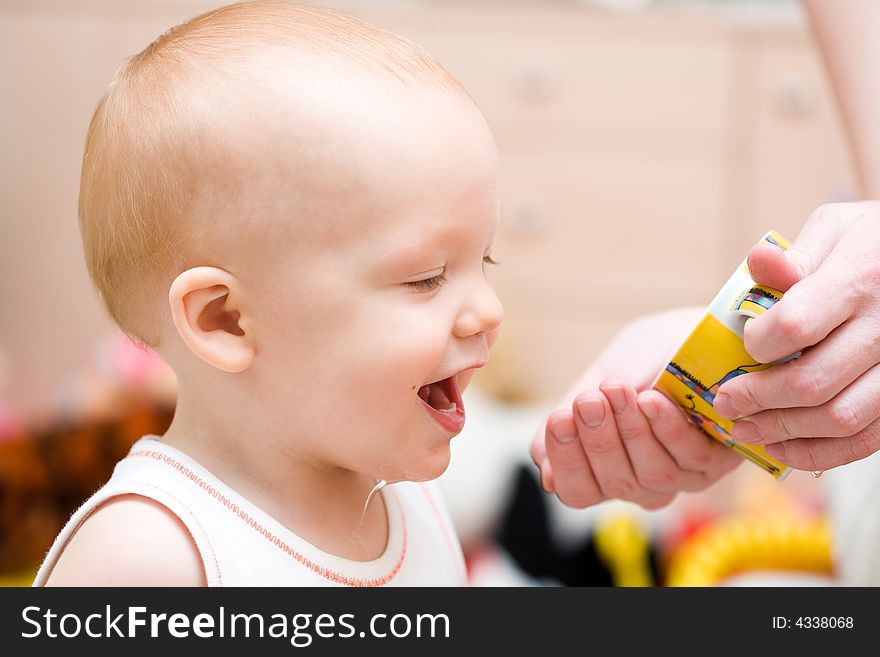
{"points": [[443, 402], [440, 396]]}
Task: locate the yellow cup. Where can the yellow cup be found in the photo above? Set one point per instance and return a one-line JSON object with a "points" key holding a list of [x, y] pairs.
{"points": [[714, 353]]}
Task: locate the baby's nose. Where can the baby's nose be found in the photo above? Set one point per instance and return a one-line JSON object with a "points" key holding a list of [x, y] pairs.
{"points": [[482, 313]]}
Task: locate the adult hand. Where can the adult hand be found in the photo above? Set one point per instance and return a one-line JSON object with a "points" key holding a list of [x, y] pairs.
{"points": [[609, 440], [822, 409]]}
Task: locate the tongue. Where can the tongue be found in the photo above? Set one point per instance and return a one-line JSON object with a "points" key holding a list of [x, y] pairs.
{"points": [[435, 395]]}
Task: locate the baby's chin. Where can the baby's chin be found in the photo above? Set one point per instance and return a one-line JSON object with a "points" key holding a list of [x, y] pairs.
{"points": [[430, 467]]}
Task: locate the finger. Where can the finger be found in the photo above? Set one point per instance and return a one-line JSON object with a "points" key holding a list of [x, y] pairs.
{"points": [[819, 271], [769, 266], [603, 447], [810, 380], [654, 468], [653, 500], [807, 313], [817, 239], [546, 472], [689, 447], [845, 415], [538, 449], [539, 457], [814, 306], [826, 453], [573, 479], [822, 231], [665, 418]]}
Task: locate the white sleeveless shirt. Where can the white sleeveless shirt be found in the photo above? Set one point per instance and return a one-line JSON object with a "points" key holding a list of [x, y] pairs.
{"points": [[240, 545]]}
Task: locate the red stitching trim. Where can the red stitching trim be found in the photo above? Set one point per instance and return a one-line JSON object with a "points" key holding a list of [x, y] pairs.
{"points": [[240, 513]]}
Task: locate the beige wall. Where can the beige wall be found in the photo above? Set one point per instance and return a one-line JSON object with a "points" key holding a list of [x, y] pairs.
{"points": [[642, 155]]}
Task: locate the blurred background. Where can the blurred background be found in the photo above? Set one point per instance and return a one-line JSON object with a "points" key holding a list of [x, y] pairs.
{"points": [[629, 130]]}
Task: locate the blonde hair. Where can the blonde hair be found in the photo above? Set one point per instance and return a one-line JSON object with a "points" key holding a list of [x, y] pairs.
{"points": [[141, 169]]}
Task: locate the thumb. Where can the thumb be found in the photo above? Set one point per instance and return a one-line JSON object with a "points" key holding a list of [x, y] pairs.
{"points": [[768, 265]]}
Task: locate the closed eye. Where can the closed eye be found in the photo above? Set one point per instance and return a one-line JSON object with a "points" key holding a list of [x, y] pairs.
{"points": [[427, 284], [430, 284]]}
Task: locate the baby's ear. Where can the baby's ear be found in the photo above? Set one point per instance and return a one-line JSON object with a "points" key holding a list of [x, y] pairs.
{"points": [[206, 310]]}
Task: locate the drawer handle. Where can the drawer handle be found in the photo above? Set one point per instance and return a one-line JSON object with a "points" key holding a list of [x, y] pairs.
{"points": [[793, 95], [528, 217], [534, 79]]}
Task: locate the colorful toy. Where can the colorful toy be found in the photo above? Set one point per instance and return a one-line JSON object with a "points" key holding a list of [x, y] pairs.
{"points": [[714, 353], [749, 543]]}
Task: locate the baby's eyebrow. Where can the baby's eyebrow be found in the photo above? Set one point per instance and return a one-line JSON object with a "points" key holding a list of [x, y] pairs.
{"points": [[423, 251], [428, 271], [414, 253], [409, 262]]}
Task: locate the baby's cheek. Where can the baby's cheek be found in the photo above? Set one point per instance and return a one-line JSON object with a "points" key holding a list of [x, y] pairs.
{"points": [[423, 352]]}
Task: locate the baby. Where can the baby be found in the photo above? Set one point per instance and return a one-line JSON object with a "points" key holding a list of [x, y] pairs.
{"points": [[296, 210]]}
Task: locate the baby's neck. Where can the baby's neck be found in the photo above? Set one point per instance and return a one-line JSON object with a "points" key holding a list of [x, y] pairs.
{"points": [[321, 503]]}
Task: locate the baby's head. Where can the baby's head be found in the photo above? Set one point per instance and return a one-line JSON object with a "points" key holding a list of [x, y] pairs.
{"points": [[295, 209]]}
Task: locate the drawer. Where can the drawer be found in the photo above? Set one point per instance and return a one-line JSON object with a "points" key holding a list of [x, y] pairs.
{"points": [[801, 158], [616, 218], [553, 71]]}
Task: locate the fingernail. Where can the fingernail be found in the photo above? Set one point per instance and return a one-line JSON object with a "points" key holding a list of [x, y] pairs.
{"points": [[649, 408], [776, 450], [723, 405], [592, 412], [563, 432], [746, 432], [616, 397]]}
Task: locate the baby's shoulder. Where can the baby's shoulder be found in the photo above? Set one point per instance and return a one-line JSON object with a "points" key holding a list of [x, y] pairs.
{"points": [[129, 540]]}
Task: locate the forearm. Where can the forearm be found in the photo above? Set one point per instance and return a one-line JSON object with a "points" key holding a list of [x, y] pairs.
{"points": [[638, 351], [848, 35], [643, 347]]}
